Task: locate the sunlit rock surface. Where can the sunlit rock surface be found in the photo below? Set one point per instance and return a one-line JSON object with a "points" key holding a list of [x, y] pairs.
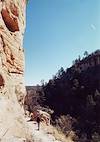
{"points": [[12, 90]]}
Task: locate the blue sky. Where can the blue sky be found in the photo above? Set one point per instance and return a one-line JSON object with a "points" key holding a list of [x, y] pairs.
{"points": [[57, 31]]}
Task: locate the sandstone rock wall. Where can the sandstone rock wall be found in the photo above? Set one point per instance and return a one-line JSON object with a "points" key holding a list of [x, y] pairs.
{"points": [[12, 90], [12, 25]]}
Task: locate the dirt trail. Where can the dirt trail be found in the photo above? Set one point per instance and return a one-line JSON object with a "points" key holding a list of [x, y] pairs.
{"points": [[41, 135]]}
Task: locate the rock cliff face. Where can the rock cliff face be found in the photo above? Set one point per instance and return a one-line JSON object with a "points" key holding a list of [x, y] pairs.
{"points": [[12, 90], [90, 61], [12, 24]]}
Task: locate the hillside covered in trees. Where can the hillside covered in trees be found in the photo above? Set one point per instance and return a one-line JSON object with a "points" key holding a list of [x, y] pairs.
{"points": [[74, 96]]}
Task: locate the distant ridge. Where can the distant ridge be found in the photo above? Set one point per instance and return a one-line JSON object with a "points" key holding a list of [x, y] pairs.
{"points": [[74, 96]]}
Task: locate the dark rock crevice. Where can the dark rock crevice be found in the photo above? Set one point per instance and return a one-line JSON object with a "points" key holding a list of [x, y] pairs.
{"points": [[10, 22], [2, 82]]}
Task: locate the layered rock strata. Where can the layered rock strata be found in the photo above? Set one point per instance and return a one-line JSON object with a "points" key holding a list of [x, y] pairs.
{"points": [[12, 90]]}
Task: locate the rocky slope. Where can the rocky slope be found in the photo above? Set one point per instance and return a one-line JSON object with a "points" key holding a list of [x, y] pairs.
{"points": [[74, 95], [12, 90]]}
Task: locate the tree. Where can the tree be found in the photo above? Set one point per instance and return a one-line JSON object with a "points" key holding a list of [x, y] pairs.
{"points": [[42, 82], [79, 57], [86, 53], [60, 72]]}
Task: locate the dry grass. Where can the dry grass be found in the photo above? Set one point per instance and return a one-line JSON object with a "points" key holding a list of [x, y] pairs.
{"points": [[58, 134]]}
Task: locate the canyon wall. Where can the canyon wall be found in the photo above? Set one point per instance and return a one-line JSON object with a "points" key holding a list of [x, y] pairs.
{"points": [[90, 61], [12, 90]]}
